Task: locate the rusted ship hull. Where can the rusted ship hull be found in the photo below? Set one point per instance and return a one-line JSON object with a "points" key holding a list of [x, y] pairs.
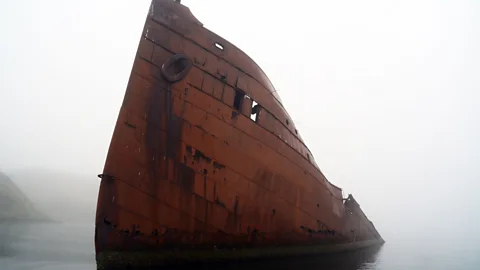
{"points": [[205, 161]]}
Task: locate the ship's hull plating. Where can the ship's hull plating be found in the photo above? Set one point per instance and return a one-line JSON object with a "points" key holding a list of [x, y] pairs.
{"points": [[191, 174]]}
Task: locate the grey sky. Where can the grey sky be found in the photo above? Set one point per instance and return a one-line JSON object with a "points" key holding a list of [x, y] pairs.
{"points": [[385, 93]]}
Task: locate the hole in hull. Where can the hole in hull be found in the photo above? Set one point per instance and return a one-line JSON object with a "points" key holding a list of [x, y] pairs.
{"points": [[219, 46]]}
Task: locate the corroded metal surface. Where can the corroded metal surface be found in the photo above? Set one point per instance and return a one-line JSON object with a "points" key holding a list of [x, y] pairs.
{"points": [[204, 156]]}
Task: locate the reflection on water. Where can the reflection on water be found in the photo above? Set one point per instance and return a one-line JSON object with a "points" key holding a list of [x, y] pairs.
{"points": [[46, 246], [363, 259], [70, 246]]}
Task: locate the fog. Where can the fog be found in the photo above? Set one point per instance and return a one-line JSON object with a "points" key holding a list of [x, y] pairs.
{"points": [[385, 94]]}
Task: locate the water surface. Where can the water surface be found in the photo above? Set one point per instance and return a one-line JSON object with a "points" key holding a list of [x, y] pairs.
{"points": [[70, 246]]}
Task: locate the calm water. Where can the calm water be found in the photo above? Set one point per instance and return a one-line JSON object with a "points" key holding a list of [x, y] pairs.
{"points": [[70, 246]]}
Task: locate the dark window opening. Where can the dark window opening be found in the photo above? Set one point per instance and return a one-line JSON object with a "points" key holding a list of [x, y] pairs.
{"points": [[296, 131], [237, 102], [287, 122], [308, 157], [254, 115]]}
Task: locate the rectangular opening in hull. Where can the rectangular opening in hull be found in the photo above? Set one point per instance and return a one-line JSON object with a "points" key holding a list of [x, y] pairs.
{"points": [[237, 102]]}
